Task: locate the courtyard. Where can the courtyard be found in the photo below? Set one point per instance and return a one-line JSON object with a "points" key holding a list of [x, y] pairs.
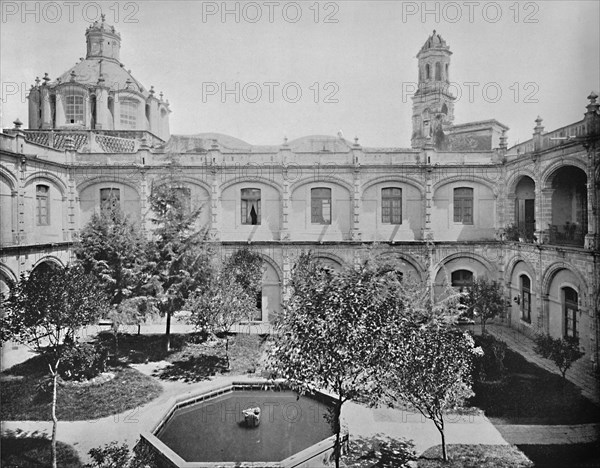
{"points": [[539, 432]]}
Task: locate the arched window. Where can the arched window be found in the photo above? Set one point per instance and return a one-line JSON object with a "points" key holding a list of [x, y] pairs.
{"points": [[74, 109], [251, 206], [42, 205], [259, 305], [461, 279], [444, 109], [320, 204], [391, 205], [447, 74], [93, 110], [463, 205], [184, 195], [438, 71], [427, 72], [570, 301], [525, 298], [129, 111], [110, 199]]}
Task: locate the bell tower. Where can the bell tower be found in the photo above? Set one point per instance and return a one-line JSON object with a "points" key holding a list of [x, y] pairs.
{"points": [[433, 104]]}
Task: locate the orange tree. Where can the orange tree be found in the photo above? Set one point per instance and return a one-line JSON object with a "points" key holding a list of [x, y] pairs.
{"points": [[325, 337], [45, 310]]}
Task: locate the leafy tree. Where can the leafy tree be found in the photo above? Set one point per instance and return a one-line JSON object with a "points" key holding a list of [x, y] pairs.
{"points": [[113, 249], [178, 254], [222, 303], [326, 335], [484, 298], [229, 296], [246, 268], [429, 367], [45, 310], [562, 351]]}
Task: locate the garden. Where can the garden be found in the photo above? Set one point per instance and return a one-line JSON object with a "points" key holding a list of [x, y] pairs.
{"points": [[394, 346]]}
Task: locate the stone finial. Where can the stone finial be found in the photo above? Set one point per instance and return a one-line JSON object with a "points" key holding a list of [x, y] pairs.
{"points": [[46, 79], [356, 141], [58, 80], [593, 106], [214, 145], [72, 75], [101, 79], [538, 125], [161, 95], [103, 17], [37, 81], [18, 124], [128, 83], [151, 91]]}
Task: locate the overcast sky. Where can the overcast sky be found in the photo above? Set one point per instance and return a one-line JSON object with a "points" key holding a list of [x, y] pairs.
{"points": [[361, 54]]}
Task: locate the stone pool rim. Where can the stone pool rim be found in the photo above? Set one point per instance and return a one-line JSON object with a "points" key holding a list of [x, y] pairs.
{"points": [[168, 457]]}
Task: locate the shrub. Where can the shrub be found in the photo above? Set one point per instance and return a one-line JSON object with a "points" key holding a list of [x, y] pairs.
{"points": [[562, 351], [490, 366], [379, 450], [83, 361], [119, 456]]}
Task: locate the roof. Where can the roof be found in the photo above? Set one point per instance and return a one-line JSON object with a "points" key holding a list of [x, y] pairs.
{"points": [[115, 76]]}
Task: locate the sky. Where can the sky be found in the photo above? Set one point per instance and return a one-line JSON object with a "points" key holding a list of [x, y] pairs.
{"points": [[262, 71]]}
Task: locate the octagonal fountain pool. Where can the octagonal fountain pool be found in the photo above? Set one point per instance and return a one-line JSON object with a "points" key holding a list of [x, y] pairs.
{"points": [[245, 424]]}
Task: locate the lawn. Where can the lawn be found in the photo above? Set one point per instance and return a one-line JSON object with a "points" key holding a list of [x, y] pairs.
{"points": [[25, 393], [554, 456], [378, 451], [197, 361], [33, 451], [475, 456], [531, 395], [26, 396]]}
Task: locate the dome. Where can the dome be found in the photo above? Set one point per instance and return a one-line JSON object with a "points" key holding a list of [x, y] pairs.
{"points": [[87, 72], [434, 41]]}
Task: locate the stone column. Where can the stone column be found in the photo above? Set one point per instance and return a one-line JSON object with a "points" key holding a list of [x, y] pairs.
{"points": [[46, 108], [592, 215], [214, 159], [60, 111], [545, 215], [285, 209], [101, 108], [355, 232], [34, 107]]}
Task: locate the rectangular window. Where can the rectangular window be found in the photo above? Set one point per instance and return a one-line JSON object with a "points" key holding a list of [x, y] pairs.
{"points": [[391, 206], [42, 202], [129, 111], [320, 206], [74, 108], [251, 206], [110, 199], [461, 279], [463, 205], [570, 307], [525, 299]]}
